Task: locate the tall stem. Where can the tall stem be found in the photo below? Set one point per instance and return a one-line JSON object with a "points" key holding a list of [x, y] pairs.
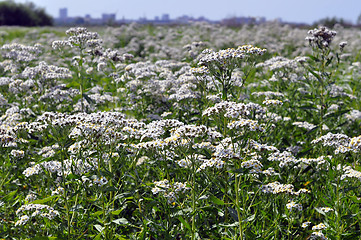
{"points": [[193, 203], [237, 183]]}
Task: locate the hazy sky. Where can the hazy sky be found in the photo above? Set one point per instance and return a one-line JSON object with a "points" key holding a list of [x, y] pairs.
{"points": [[306, 11]]}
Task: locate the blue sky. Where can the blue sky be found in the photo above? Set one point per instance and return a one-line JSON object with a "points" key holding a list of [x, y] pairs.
{"points": [[306, 11]]}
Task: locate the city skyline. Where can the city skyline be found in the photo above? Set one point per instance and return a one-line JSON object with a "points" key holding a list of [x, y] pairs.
{"points": [[306, 11]]}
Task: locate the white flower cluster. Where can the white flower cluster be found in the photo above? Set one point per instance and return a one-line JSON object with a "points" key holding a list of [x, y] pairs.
{"points": [[30, 197], [254, 164], [341, 142], [293, 205], [44, 211], [170, 191], [58, 191], [278, 188], [306, 125], [268, 94], [100, 181], [104, 118], [321, 37], [46, 72], [158, 144], [261, 147], [72, 165], [320, 226], [326, 209], [338, 91], [79, 36], [48, 151], [332, 140], [204, 145], [7, 136], [225, 57], [353, 115], [228, 109], [284, 158], [21, 53], [318, 235], [213, 162], [350, 173], [190, 131], [321, 162], [305, 224], [251, 125], [272, 102], [17, 153], [200, 71], [58, 94], [223, 152], [270, 172], [278, 63]]}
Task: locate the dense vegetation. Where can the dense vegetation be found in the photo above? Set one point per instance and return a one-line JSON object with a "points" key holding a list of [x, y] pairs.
{"points": [[182, 132], [23, 14]]}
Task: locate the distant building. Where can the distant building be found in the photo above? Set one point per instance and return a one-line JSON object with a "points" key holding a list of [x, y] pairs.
{"points": [[165, 18], [108, 17], [63, 13]]}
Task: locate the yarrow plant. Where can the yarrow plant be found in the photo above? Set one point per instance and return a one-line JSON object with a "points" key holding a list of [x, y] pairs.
{"points": [[220, 65], [167, 132]]}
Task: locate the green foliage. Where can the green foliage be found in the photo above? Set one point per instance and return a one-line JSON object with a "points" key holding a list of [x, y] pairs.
{"points": [[238, 149], [23, 14]]}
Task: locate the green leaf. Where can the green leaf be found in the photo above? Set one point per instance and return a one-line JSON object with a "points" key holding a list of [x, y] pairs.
{"points": [[98, 237], [250, 218], [312, 130], [88, 99], [116, 212], [44, 238], [110, 189], [184, 223], [313, 58], [203, 197], [349, 216], [315, 74], [99, 228], [120, 221], [10, 195], [304, 152], [336, 114], [208, 155], [41, 201], [216, 200], [235, 224], [72, 176], [329, 61], [98, 213], [355, 199], [308, 107], [233, 213], [320, 211]]}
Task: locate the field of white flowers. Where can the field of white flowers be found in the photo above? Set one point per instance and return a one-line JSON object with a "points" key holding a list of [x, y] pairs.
{"points": [[180, 132]]}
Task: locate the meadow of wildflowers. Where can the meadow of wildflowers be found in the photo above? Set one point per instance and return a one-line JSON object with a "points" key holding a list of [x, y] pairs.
{"points": [[180, 132]]}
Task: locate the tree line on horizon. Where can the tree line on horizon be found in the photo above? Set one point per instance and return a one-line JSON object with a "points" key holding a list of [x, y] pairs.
{"points": [[29, 15], [23, 14]]}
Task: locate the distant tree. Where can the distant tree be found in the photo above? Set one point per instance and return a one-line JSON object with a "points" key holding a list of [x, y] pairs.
{"points": [[331, 22], [26, 14]]}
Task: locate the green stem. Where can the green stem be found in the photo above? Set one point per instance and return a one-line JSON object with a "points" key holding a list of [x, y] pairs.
{"points": [[237, 181], [193, 203]]}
